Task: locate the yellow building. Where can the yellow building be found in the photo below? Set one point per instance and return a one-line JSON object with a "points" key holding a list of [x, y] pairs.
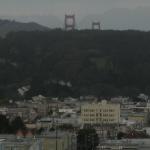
{"points": [[137, 117], [64, 141], [100, 113]]}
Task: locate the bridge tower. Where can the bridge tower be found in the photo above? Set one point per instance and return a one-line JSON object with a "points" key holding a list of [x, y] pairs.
{"points": [[96, 26], [70, 22]]}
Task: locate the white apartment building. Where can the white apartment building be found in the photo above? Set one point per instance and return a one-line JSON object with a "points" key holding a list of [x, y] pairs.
{"points": [[100, 113]]}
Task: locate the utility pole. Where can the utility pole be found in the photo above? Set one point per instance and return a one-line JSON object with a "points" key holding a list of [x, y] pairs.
{"points": [[56, 134], [56, 123]]}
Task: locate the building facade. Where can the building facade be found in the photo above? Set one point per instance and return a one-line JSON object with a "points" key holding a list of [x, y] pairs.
{"points": [[100, 113]]}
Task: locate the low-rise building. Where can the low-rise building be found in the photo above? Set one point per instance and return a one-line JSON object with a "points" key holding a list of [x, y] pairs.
{"points": [[20, 144], [130, 144], [46, 141], [59, 140]]}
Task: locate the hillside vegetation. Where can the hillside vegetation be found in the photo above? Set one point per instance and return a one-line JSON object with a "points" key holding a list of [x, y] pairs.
{"points": [[59, 63]]}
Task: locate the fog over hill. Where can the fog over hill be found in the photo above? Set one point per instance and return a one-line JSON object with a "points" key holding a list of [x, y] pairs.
{"points": [[119, 18]]}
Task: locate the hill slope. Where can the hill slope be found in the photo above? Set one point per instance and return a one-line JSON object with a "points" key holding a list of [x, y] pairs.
{"points": [[59, 63], [7, 26]]}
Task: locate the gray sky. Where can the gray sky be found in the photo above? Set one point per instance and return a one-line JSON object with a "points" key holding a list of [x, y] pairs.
{"points": [[60, 7]]}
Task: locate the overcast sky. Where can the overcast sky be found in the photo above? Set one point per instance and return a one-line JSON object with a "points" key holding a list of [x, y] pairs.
{"points": [[60, 7]]}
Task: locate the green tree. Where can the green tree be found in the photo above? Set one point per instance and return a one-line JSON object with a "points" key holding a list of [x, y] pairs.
{"points": [[17, 124], [87, 139], [4, 125]]}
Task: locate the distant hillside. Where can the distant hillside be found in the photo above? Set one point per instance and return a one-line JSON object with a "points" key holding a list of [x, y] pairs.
{"points": [[59, 63], [7, 26], [46, 20]]}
